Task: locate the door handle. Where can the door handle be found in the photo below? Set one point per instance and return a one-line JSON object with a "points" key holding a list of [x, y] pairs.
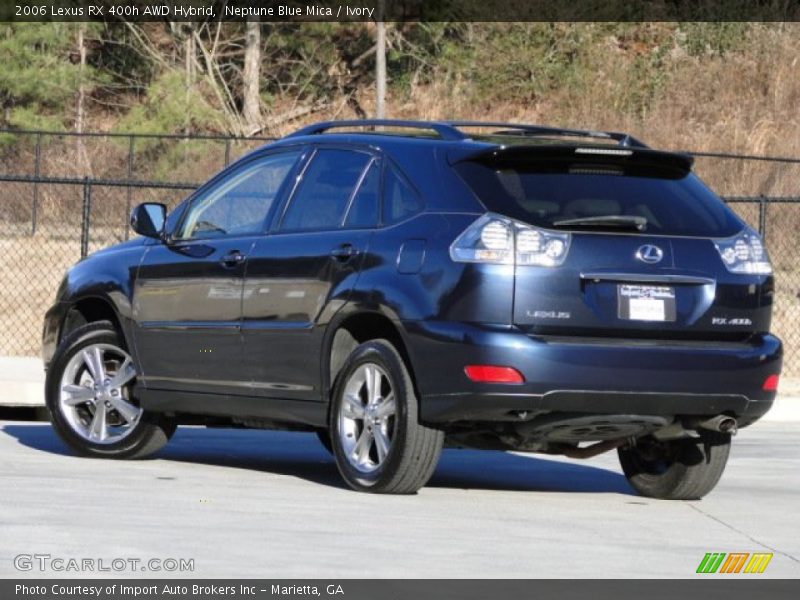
{"points": [[344, 252], [232, 259]]}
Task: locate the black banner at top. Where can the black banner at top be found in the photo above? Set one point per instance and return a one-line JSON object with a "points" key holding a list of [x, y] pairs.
{"points": [[344, 11]]}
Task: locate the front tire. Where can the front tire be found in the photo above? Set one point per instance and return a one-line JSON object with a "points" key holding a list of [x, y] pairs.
{"points": [[88, 392], [378, 442], [684, 469]]}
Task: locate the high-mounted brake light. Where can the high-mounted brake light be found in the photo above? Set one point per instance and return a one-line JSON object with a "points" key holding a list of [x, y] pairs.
{"points": [[493, 374], [604, 151], [495, 239], [771, 383]]}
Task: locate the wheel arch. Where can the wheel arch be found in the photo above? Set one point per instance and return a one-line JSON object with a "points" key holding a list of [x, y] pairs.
{"points": [[355, 328], [90, 309]]}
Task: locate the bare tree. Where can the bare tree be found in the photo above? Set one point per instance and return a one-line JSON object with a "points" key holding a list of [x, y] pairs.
{"points": [[189, 64], [189, 58], [251, 76], [215, 78], [80, 108], [380, 64]]}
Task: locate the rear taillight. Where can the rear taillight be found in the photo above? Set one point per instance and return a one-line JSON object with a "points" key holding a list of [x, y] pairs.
{"points": [[771, 383], [744, 253], [495, 239], [493, 374]]}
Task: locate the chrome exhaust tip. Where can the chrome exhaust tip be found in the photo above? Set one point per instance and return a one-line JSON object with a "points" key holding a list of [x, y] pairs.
{"points": [[721, 423]]}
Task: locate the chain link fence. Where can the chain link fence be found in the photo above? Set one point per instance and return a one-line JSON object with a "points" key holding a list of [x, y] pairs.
{"points": [[63, 195], [74, 218]]}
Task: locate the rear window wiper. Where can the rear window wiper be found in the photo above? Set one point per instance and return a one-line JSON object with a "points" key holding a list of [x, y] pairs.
{"points": [[621, 221]]}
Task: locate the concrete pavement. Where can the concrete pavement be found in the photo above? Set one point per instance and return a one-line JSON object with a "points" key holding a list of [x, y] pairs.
{"points": [[21, 381], [271, 504]]}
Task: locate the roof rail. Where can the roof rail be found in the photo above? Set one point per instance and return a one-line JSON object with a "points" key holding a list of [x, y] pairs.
{"points": [[450, 130], [444, 130], [623, 139]]}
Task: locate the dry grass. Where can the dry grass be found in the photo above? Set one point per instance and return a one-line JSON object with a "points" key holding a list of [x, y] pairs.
{"points": [[739, 102], [32, 268]]}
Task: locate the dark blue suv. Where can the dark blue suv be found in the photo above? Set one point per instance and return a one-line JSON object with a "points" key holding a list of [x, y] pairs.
{"points": [[398, 285]]}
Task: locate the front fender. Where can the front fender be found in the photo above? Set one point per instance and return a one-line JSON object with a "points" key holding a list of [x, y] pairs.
{"points": [[100, 283]]}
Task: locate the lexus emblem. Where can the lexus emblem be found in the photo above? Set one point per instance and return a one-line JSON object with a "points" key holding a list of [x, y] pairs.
{"points": [[650, 254]]}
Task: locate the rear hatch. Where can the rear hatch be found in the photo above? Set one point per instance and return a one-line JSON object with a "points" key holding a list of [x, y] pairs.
{"points": [[644, 244]]}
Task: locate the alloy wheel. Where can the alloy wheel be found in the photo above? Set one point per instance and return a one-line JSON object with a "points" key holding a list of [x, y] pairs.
{"points": [[95, 397], [367, 418]]}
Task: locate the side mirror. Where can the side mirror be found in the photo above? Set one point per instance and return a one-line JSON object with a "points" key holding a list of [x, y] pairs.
{"points": [[148, 219]]}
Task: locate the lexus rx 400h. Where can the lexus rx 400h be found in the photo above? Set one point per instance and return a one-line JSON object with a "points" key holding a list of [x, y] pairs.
{"points": [[396, 286]]}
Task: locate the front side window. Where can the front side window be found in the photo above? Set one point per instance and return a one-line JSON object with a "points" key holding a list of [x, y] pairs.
{"points": [[238, 204], [323, 195]]}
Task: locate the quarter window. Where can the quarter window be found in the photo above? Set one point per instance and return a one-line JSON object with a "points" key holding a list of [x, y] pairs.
{"points": [[238, 204], [400, 201], [325, 191]]}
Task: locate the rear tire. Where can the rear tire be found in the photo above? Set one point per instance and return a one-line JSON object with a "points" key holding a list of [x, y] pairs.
{"points": [[378, 442], [88, 392], [684, 469]]}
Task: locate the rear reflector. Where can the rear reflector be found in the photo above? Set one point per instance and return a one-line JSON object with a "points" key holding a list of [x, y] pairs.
{"points": [[493, 374], [771, 383]]}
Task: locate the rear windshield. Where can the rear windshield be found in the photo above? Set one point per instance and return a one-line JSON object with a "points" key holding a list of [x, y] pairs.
{"points": [[672, 202]]}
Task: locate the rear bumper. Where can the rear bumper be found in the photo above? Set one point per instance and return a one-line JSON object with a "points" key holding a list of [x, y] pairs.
{"points": [[588, 375]]}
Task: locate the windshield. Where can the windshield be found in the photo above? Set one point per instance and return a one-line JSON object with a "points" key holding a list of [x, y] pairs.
{"points": [[577, 197]]}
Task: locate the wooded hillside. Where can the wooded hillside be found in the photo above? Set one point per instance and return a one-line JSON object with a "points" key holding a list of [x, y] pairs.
{"points": [[704, 86]]}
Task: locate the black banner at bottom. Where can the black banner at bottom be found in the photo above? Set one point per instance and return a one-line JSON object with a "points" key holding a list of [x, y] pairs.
{"points": [[730, 588]]}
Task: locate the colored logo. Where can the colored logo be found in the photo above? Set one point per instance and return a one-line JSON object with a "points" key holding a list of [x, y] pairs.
{"points": [[735, 562], [650, 254]]}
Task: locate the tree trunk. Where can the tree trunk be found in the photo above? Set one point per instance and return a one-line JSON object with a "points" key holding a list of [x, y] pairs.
{"points": [[188, 57], [189, 61], [380, 65], [251, 107], [80, 108]]}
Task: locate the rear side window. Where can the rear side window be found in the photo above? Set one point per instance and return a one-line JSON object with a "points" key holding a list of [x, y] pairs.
{"points": [[672, 203], [363, 210], [400, 200], [323, 195]]}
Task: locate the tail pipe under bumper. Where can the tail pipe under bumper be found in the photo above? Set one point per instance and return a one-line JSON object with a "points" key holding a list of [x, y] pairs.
{"points": [[720, 423]]}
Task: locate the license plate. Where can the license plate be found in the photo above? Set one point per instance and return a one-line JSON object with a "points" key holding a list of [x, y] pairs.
{"points": [[646, 302]]}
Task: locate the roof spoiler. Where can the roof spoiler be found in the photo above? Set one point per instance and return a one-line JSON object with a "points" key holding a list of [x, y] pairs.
{"points": [[594, 154]]}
